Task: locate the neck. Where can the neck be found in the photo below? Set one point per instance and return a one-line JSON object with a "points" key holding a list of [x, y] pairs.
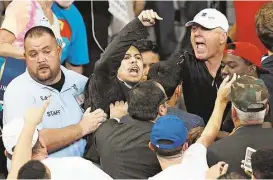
{"points": [[49, 81], [39, 156], [166, 162], [214, 63], [46, 4], [269, 53], [57, 79]]}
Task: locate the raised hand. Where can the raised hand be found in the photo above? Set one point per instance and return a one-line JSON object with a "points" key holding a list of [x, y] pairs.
{"points": [[34, 115], [148, 17], [225, 88]]}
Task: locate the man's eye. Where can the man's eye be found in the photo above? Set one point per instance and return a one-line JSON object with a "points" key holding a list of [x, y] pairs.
{"points": [[33, 55]]}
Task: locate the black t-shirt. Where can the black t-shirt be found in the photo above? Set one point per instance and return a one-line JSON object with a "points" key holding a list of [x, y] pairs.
{"points": [[59, 85], [199, 87]]}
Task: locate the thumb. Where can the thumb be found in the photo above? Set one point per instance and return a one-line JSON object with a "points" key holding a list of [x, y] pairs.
{"points": [[224, 170], [45, 105], [88, 110]]}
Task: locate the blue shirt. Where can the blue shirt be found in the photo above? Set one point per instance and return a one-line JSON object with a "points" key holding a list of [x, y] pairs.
{"points": [[74, 36], [64, 108]]}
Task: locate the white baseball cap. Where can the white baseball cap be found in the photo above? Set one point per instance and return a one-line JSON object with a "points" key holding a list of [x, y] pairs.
{"points": [[11, 134], [210, 19]]}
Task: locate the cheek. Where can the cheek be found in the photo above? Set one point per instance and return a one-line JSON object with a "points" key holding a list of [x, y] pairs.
{"points": [[32, 65], [122, 67]]}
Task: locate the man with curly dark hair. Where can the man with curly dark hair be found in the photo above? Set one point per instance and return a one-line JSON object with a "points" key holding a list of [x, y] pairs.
{"points": [[262, 164]]}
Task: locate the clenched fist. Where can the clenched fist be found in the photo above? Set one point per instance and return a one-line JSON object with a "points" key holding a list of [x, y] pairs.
{"points": [[148, 17], [92, 120]]}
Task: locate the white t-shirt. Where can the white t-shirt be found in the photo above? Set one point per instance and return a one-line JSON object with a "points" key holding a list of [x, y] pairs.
{"points": [[74, 168], [193, 166]]}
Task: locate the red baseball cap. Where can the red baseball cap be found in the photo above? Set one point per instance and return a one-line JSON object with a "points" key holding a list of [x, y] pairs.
{"points": [[245, 50]]}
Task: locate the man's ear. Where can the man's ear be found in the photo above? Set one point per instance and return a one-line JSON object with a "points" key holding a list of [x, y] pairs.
{"points": [[233, 114], [185, 146], [59, 49], [6, 153], [223, 38], [252, 70], [162, 110], [267, 109], [151, 146]]}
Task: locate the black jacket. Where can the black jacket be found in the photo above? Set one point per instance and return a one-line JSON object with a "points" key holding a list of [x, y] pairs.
{"points": [[103, 87], [124, 151], [232, 149], [267, 64]]}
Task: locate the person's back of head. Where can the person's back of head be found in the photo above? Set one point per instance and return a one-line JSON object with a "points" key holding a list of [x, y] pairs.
{"points": [[146, 101], [264, 25], [231, 175], [150, 55], [262, 164], [145, 45], [249, 97], [168, 138], [167, 73], [34, 170]]}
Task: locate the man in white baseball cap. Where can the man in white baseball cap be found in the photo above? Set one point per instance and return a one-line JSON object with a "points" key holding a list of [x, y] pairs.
{"points": [[210, 19], [201, 64]]}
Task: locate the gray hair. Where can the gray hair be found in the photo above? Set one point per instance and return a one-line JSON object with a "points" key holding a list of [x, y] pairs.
{"points": [[250, 117]]}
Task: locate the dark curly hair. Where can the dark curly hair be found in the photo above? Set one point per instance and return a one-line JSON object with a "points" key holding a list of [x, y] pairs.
{"points": [[262, 164], [144, 45], [264, 25]]}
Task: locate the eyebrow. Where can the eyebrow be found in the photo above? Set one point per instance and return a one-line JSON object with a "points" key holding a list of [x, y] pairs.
{"points": [[134, 55], [34, 50]]}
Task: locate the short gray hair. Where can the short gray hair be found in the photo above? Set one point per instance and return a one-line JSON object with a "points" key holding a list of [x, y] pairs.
{"points": [[250, 117]]}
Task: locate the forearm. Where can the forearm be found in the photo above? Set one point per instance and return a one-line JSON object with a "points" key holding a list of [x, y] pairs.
{"points": [[23, 151], [78, 69], [56, 139], [212, 128], [8, 50], [139, 6]]}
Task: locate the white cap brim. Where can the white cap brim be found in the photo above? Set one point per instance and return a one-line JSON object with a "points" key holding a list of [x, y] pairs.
{"points": [[208, 26], [12, 132]]}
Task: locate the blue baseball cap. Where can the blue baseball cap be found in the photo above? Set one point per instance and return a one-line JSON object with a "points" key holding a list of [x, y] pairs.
{"points": [[171, 128]]}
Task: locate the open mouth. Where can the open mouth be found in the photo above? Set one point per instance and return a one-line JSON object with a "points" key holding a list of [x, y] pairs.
{"points": [[43, 68], [134, 70], [200, 45]]}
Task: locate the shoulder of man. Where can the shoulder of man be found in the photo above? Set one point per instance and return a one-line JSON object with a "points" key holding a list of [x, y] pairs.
{"points": [[75, 77], [21, 82]]}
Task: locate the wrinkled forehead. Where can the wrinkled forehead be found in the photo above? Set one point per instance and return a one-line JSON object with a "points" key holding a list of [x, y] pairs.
{"points": [[230, 57], [39, 42]]}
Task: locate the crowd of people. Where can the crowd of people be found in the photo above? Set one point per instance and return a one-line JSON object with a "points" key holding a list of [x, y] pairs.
{"points": [[203, 113]]}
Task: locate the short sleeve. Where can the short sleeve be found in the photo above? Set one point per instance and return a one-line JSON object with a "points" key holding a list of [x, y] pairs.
{"points": [[15, 103], [16, 17], [196, 158], [78, 50]]}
